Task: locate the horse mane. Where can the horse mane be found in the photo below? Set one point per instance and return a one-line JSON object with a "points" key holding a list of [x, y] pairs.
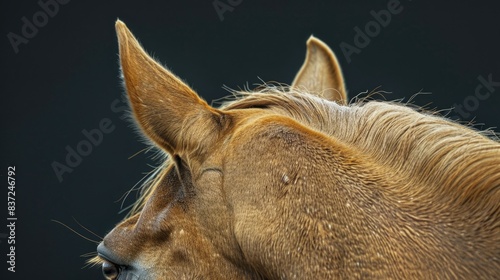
{"points": [[432, 156]]}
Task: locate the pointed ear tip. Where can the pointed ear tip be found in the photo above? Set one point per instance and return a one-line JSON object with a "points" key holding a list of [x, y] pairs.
{"points": [[311, 37], [123, 33], [119, 24], [121, 30], [314, 41]]}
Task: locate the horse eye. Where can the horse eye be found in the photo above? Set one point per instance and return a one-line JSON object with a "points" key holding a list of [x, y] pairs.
{"points": [[110, 270]]}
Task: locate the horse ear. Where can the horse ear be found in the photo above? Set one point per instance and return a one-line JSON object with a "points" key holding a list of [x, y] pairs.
{"points": [[168, 111], [321, 74]]}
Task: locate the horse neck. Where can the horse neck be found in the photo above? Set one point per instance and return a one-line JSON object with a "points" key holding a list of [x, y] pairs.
{"points": [[435, 159], [439, 182]]}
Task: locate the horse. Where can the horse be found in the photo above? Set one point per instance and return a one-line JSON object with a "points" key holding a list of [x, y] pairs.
{"points": [[296, 182]]}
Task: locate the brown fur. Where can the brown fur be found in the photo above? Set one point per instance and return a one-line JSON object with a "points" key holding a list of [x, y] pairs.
{"points": [[284, 184]]}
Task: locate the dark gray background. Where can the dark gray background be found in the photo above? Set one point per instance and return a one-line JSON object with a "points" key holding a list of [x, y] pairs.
{"points": [[65, 79]]}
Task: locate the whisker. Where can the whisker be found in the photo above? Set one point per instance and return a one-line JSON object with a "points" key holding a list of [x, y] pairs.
{"points": [[95, 234], [143, 179], [75, 232], [89, 254], [123, 198], [124, 209], [88, 265], [92, 261], [140, 151]]}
